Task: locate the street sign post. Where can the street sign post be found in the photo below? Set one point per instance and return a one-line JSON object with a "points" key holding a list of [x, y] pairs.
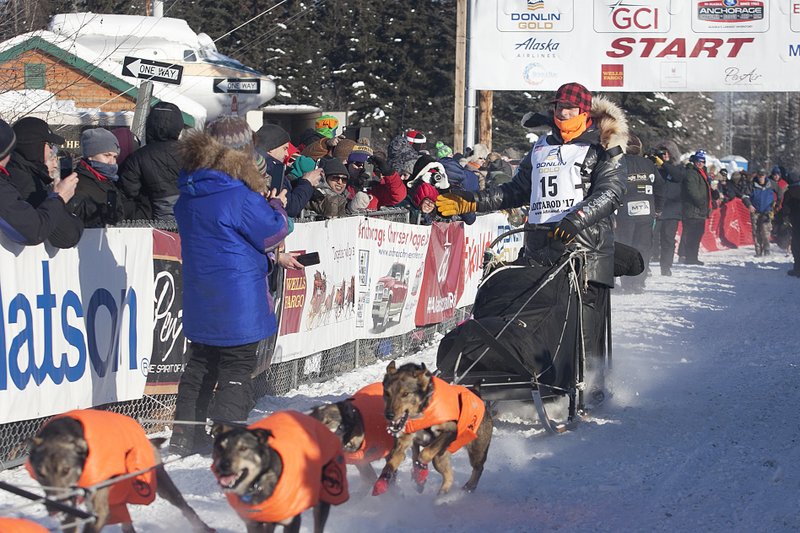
{"points": [[237, 85], [147, 69]]}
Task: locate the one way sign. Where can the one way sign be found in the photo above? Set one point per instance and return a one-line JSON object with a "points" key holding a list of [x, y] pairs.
{"points": [[237, 85], [147, 69]]}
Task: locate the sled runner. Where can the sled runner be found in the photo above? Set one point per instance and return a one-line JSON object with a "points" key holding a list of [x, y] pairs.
{"points": [[524, 339]]}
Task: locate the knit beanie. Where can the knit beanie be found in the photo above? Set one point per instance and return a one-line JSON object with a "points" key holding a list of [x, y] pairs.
{"points": [[442, 150], [98, 141], [271, 136], [360, 153], [7, 139], [415, 137], [233, 132], [302, 165], [333, 167], [343, 149], [422, 191]]}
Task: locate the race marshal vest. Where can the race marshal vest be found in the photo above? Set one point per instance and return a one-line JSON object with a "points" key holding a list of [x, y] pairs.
{"points": [[117, 445], [377, 441], [556, 180], [313, 468], [451, 402]]}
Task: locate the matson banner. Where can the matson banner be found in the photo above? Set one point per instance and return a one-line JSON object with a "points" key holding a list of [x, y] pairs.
{"points": [[652, 45], [77, 324]]}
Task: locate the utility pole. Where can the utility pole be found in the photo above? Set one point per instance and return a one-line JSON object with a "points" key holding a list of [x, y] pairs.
{"points": [[460, 76], [486, 99]]}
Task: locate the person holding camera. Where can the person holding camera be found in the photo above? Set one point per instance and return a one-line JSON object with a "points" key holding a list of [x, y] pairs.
{"points": [[374, 184], [31, 171], [669, 216], [98, 202], [19, 220]]}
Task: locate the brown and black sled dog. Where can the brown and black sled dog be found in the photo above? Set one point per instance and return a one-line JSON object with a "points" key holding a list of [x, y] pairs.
{"points": [[437, 419], [360, 424], [276, 468], [84, 448]]}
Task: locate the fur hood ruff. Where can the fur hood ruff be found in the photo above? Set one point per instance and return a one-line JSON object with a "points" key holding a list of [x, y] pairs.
{"points": [[610, 121], [199, 150]]}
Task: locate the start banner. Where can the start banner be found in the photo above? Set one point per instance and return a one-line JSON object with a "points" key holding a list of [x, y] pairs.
{"points": [[653, 45], [77, 324]]}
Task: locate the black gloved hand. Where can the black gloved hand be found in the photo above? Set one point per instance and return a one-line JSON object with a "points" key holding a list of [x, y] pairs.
{"points": [[381, 165], [566, 231]]}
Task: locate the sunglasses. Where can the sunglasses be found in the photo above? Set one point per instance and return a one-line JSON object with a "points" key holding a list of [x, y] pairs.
{"points": [[342, 179], [358, 164]]}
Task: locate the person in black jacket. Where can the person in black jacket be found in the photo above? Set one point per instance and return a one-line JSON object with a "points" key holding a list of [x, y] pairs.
{"points": [[29, 171], [635, 216], [149, 176], [272, 143], [19, 220], [573, 180], [670, 214], [98, 201], [791, 209]]}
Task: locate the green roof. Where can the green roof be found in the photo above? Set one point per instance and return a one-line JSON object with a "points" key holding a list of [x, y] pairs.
{"points": [[90, 70]]}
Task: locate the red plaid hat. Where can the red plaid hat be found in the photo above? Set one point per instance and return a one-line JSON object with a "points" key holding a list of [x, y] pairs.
{"points": [[574, 94]]}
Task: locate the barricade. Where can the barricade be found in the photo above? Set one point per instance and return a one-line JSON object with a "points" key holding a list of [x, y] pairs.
{"points": [[272, 379]]}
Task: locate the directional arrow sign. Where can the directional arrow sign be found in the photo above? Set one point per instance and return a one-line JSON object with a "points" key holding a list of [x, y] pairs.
{"points": [[237, 85], [147, 69]]}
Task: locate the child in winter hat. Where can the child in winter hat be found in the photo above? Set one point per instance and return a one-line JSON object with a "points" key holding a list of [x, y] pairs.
{"points": [[442, 150]]}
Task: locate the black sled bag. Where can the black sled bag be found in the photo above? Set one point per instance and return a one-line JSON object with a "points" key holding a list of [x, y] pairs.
{"points": [[541, 341]]}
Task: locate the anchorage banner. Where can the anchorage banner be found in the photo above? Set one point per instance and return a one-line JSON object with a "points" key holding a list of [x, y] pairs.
{"points": [[76, 324], [653, 45]]}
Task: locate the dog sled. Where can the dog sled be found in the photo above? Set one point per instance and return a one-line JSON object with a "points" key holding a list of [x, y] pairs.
{"points": [[524, 340]]}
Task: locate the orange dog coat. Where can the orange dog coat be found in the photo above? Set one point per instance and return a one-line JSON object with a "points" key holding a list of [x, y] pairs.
{"points": [[377, 441], [313, 468], [20, 525], [451, 402], [117, 446]]}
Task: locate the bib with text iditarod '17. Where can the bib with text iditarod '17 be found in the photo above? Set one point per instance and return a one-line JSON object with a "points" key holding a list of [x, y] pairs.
{"points": [[556, 183]]}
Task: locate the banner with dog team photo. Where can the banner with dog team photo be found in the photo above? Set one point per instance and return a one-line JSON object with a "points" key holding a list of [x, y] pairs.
{"points": [[318, 302], [391, 259], [76, 325]]}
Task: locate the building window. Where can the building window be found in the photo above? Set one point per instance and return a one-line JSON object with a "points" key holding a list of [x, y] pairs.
{"points": [[189, 55], [35, 75]]}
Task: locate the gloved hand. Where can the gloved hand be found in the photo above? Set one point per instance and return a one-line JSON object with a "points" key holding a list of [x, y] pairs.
{"points": [[456, 203], [658, 161], [383, 167], [566, 231]]}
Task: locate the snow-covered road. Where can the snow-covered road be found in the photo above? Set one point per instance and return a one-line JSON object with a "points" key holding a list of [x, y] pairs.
{"points": [[701, 433]]}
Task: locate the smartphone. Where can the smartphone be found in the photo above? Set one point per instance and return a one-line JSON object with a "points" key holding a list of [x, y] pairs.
{"points": [[311, 258]]}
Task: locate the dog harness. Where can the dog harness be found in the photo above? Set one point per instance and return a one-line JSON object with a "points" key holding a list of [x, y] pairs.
{"points": [[313, 469], [20, 525], [451, 402], [377, 441], [117, 446]]}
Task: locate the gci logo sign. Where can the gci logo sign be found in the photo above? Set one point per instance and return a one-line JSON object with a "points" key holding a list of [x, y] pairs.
{"points": [[632, 16]]}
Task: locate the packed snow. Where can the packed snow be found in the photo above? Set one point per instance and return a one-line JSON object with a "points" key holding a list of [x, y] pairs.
{"points": [[701, 433]]}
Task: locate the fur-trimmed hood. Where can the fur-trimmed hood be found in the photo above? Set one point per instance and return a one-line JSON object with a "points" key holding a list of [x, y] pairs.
{"points": [[609, 125], [200, 151], [610, 121]]}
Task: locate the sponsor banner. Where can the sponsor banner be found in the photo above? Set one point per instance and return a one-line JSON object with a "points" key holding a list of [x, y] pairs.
{"points": [[443, 280], [77, 324], [675, 45], [318, 305], [168, 359], [391, 259]]}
